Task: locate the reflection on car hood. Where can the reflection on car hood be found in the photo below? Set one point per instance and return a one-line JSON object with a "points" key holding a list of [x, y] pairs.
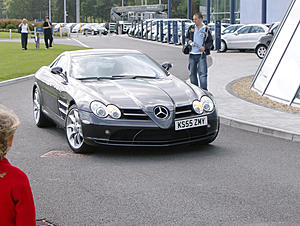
{"points": [[144, 94]]}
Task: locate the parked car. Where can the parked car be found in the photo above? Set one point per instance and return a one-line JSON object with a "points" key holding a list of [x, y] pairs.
{"points": [[77, 27], [231, 28], [121, 97], [244, 38], [265, 41], [213, 29], [94, 29]]}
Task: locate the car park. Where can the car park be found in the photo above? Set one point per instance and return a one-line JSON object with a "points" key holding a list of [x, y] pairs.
{"points": [[243, 38], [121, 98], [265, 41]]}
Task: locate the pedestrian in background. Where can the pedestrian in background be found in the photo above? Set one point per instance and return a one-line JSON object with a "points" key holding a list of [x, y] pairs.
{"points": [[16, 200], [200, 38], [48, 33], [24, 33]]}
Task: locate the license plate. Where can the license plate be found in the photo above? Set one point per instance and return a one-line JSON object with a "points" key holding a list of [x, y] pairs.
{"points": [[190, 123]]}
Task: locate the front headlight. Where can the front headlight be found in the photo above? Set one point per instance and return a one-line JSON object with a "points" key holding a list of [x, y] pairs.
{"points": [[99, 109], [114, 111], [207, 104], [103, 111], [197, 106]]}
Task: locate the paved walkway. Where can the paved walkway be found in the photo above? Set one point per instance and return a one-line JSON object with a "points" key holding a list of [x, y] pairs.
{"points": [[234, 111], [241, 113]]}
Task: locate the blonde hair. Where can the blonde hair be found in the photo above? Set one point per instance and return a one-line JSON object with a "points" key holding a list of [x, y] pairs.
{"points": [[8, 125]]}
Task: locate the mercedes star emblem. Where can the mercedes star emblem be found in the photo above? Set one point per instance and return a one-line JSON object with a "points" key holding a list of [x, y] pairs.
{"points": [[161, 112]]}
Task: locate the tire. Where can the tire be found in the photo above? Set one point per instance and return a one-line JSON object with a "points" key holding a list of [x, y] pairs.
{"points": [[39, 117], [74, 132], [261, 51], [223, 46]]}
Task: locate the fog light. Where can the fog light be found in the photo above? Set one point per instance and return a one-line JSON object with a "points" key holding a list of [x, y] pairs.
{"points": [[208, 126], [107, 132]]}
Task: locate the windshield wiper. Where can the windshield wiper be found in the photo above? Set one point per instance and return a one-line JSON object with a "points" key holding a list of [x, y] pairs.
{"points": [[117, 77], [95, 77], [133, 76], [142, 76]]}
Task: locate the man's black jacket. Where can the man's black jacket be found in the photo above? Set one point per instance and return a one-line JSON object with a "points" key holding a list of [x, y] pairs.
{"points": [[208, 41]]}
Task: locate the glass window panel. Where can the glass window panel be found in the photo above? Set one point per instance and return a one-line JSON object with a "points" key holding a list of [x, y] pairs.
{"points": [[283, 37], [244, 30], [286, 79]]}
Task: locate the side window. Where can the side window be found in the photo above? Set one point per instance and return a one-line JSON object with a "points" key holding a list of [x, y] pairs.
{"points": [[54, 63], [257, 29], [244, 30], [63, 63]]}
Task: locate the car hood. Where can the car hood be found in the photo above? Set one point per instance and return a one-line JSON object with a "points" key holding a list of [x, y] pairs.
{"points": [[145, 94]]}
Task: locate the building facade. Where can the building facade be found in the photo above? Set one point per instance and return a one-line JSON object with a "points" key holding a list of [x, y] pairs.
{"points": [[251, 10], [245, 11]]}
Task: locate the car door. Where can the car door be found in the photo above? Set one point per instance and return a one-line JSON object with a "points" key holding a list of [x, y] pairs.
{"points": [[235, 40], [54, 83], [242, 37], [255, 33]]}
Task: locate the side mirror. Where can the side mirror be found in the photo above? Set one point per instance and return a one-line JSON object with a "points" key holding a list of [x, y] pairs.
{"points": [[167, 66], [57, 70], [236, 33]]}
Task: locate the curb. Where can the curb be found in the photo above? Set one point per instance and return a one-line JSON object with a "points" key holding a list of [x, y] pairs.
{"points": [[252, 127], [15, 80]]}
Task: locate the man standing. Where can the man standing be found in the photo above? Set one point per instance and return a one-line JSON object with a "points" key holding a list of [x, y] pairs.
{"points": [[48, 33], [199, 36]]}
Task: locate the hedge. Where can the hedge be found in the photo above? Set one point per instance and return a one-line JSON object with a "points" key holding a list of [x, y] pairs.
{"points": [[15, 22]]}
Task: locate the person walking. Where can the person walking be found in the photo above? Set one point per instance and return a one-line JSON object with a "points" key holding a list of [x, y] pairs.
{"points": [[16, 200], [48, 33], [24, 33], [200, 38]]}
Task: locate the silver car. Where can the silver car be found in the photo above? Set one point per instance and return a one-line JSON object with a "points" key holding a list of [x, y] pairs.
{"points": [[245, 37]]}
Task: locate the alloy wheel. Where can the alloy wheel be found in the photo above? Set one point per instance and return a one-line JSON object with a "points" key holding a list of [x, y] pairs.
{"points": [[261, 51], [74, 129], [36, 106]]}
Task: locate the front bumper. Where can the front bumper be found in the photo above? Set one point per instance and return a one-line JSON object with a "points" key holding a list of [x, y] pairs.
{"points": [[143, 133]]}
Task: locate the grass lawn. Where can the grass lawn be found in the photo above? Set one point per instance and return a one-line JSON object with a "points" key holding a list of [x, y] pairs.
{"points": [[6, 35], [15, 62]]}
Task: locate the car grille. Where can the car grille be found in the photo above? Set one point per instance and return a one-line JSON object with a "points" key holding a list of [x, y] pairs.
{"points": [[134, 114], [138, 114], [184, 111]]}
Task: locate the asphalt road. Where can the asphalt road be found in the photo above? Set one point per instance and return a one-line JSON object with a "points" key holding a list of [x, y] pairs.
{"points": [[242, 178]]}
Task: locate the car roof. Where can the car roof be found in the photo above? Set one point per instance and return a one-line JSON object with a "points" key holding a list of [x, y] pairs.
{"points": [[101, 51]]}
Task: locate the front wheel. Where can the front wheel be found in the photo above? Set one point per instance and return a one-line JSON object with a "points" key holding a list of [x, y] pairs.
{"points": [[74, 131], [261, 51], [39, 118], [223, 46]]}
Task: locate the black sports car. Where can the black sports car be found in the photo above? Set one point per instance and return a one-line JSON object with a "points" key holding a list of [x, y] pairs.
{"points": [[121, 97]]}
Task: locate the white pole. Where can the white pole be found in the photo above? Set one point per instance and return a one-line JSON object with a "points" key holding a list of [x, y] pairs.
{"points": [[122, 3], [9, 33], [65, 12], [145, 2], [159, 2], [77, 11], [50, 10]]}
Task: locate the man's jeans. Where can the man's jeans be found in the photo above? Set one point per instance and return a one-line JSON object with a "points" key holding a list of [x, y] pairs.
{"points": [[198, 67]]}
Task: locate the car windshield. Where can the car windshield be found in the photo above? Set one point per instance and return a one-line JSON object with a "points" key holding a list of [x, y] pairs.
{"points": [[115, 66]]}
